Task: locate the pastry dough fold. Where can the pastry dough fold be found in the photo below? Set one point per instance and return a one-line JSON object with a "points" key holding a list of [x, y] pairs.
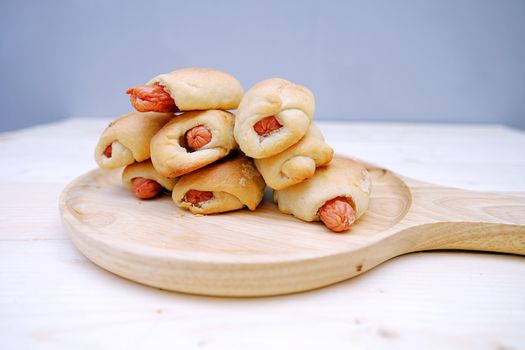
{"points": [[145, 170], [292, 105], [129, 137], [235, 183], [297, 163], [201, 88], [171, 158], [341, 178]]}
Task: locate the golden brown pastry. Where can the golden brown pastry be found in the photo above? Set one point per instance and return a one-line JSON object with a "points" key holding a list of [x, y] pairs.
{"points": [[296, 163], [191, 141], [337, 195], [273, 115], [187, 89], [145, 181], [127, 139], [227, 185]]}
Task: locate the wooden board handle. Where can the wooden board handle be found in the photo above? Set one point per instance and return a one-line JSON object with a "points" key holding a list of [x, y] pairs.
{"points": [[449, 218], [500, 238]]}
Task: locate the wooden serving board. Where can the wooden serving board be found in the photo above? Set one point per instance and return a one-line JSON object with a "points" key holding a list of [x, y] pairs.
{"points": [[266, 252]]}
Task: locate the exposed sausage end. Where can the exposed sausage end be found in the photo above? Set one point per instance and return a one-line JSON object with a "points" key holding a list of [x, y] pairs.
{"points": [[154, 98], [108, 152], [266, 126], [197, 197], [145, 188], [198, 137], [337, 214]]}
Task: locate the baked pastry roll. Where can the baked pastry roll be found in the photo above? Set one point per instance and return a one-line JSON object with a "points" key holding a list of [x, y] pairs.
{"points": [[127, 139], [273, 115], [296, 163], [187, 89], [191, 141], [337, 195], [145, 181], [227, 185]]}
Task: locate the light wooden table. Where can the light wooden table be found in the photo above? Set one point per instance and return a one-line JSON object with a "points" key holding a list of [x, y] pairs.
{"points": [[51, 297]]}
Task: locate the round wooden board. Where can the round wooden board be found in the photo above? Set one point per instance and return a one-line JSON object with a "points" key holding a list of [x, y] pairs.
{"points": [[239, 253]]}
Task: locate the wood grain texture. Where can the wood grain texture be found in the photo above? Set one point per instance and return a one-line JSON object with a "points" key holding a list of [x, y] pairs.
{"points": [[269, 253]]}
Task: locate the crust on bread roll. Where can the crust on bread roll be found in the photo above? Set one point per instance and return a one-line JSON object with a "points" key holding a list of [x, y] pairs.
{"points": [[201, 88], [298, 162], [292, 105], [342, 177], [169, 154], [235, 183], [129, 137], [145, 170]]}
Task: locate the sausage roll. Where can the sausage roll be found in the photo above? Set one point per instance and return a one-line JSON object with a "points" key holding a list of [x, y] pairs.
{"points": [[337, 195], [187, 89], [191, 141], [227, 185], [144, 181], [273, 115], [127, 139], [296, 163]]}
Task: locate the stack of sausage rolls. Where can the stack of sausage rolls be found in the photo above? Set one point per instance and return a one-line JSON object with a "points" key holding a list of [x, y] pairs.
{"points": [[183, 139]]}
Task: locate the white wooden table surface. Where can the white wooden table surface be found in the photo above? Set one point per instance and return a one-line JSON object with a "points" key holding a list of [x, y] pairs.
{"points": [[51, 297]]}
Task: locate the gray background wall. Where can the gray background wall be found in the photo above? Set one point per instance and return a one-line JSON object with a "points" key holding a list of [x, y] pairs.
{"points": [[432, 61]]}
